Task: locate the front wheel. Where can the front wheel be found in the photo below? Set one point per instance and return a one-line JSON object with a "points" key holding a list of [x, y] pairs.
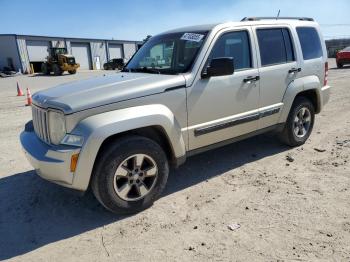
{"points": [[57, 71], [299, 123], [130, 174], [72, 72]]}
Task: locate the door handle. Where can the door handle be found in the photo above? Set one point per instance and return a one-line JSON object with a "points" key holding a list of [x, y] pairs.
{"points": [[250, 79], [294, 70]]}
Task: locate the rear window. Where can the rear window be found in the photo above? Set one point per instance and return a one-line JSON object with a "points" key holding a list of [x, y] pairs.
{"points": [[310, 42], [275, 46]]}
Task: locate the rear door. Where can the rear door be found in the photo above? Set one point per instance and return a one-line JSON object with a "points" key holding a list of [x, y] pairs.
{"points": [[278, 67]]}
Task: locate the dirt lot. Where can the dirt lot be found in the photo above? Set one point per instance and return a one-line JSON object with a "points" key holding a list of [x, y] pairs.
{"points": [[291, 204]]}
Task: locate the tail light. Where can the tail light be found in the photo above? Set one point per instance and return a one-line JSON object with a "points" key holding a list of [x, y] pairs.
{"points": [[325, 82]]}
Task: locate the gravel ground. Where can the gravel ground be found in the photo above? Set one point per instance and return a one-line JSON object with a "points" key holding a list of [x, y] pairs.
{"points": [[290, 204]]}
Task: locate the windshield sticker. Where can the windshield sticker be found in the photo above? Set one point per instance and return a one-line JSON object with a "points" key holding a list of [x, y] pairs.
{"points": [[192, 37]]}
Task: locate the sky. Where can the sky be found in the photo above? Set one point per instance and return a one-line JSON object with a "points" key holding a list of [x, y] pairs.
{"points": [[134, 20]]}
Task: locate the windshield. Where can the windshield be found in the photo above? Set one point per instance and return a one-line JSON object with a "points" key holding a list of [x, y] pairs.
{"points": [[59, 51], [167, 54]]}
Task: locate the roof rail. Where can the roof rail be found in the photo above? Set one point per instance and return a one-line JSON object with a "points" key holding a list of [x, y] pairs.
{"points": [[276, 18]]}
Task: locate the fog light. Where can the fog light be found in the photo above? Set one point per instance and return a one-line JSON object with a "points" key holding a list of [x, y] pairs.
{"points": [[73, 162]]}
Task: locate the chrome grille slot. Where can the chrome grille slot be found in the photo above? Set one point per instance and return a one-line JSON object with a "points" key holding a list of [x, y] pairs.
{"points": [[40, 123]]}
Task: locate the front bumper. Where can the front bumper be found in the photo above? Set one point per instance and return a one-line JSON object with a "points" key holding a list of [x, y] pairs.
{"points": [[68, 67], [50, 162]]}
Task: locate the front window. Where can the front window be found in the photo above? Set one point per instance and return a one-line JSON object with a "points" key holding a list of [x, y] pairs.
{"points": [[235, 45], [167, 54]]}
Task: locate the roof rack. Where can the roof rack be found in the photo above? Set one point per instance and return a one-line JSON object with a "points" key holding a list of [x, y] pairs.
{"points": [[276, 18]]}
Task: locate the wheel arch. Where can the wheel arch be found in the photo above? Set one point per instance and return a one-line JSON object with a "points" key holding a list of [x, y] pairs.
{"points": [[155, 133], [309, 87], [155, 122]]}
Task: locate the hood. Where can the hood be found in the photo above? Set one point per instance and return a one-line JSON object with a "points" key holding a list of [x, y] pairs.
{"points": [[98, 91]]}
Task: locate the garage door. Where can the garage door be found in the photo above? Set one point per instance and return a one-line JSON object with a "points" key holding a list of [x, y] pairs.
{"points": [[81, 52], [37, 50], [115, 51]]}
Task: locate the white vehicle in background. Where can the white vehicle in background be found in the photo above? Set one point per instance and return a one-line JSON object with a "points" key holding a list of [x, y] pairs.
{"points": [[216, 84]]}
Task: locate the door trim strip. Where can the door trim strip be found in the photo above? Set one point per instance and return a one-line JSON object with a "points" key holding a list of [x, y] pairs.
{"points": [[252, 117]]}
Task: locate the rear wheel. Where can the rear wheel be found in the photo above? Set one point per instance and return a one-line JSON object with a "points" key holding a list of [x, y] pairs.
{"points": [[72, 72], [299, 123], [57, 71], [130, 174], [45, 69]]}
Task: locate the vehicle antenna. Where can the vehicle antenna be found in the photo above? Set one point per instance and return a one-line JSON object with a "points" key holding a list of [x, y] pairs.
{"points": [[278, 14]]}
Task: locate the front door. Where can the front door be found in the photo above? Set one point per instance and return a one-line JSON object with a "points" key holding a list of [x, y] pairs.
{"points": [[224, 107]]}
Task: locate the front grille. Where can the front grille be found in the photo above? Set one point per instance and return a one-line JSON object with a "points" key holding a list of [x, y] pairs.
{"points": [[71, 61], [40, 122]]}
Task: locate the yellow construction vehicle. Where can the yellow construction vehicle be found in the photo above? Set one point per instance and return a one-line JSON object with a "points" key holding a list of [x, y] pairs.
{"points": [[59, 61]]}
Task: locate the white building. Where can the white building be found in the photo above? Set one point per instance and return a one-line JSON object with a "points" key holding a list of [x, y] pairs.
{"points": [[20, 51]]}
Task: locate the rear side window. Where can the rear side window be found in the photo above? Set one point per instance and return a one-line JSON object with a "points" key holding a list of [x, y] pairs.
{"points": [[310, 42], [236, 45], [275, 46]]}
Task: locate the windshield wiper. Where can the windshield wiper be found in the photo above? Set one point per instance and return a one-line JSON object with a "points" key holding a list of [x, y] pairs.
{"points": [[142, 70]]}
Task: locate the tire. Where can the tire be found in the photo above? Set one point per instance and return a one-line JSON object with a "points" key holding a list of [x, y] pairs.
{"points": [[45, 69], [72, 72], [339, 65], [108, 185], [293, 132], [56, 70]]}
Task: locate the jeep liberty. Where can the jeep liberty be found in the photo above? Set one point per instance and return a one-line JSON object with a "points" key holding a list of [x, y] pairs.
{"points": [[183, 92]]}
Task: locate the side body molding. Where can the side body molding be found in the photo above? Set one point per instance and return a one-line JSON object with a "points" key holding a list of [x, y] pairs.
{"points": [[95, 129], [297, 86]]}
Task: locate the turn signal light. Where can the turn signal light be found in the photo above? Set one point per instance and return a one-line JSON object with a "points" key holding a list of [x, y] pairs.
{"points": [[73, 162]]}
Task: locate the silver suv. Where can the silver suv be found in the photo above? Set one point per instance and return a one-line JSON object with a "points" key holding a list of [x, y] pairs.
{"points": [[185, 91]]}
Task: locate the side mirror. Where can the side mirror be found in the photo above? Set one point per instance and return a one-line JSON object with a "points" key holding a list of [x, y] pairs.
{"points": [[221, 66]]}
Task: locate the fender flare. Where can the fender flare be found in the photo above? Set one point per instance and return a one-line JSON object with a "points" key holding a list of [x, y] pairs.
{"points": [[309, 83], [96, 129]]}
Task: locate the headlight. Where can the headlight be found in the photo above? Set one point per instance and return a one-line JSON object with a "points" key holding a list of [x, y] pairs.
{"points": [[57, 127], [72, 140]]}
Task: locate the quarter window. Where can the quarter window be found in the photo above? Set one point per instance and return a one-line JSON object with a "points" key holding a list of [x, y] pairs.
{"points": [[310, 42], [235, 45], [276, 46]]}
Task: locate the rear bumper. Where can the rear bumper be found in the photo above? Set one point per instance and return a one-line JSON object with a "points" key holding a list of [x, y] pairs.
{"points": [[50, 162], [343, 61], [325, 94]]}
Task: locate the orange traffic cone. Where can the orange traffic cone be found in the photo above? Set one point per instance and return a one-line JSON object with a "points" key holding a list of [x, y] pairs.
{"points": [[19, 91], [29, 97]]}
